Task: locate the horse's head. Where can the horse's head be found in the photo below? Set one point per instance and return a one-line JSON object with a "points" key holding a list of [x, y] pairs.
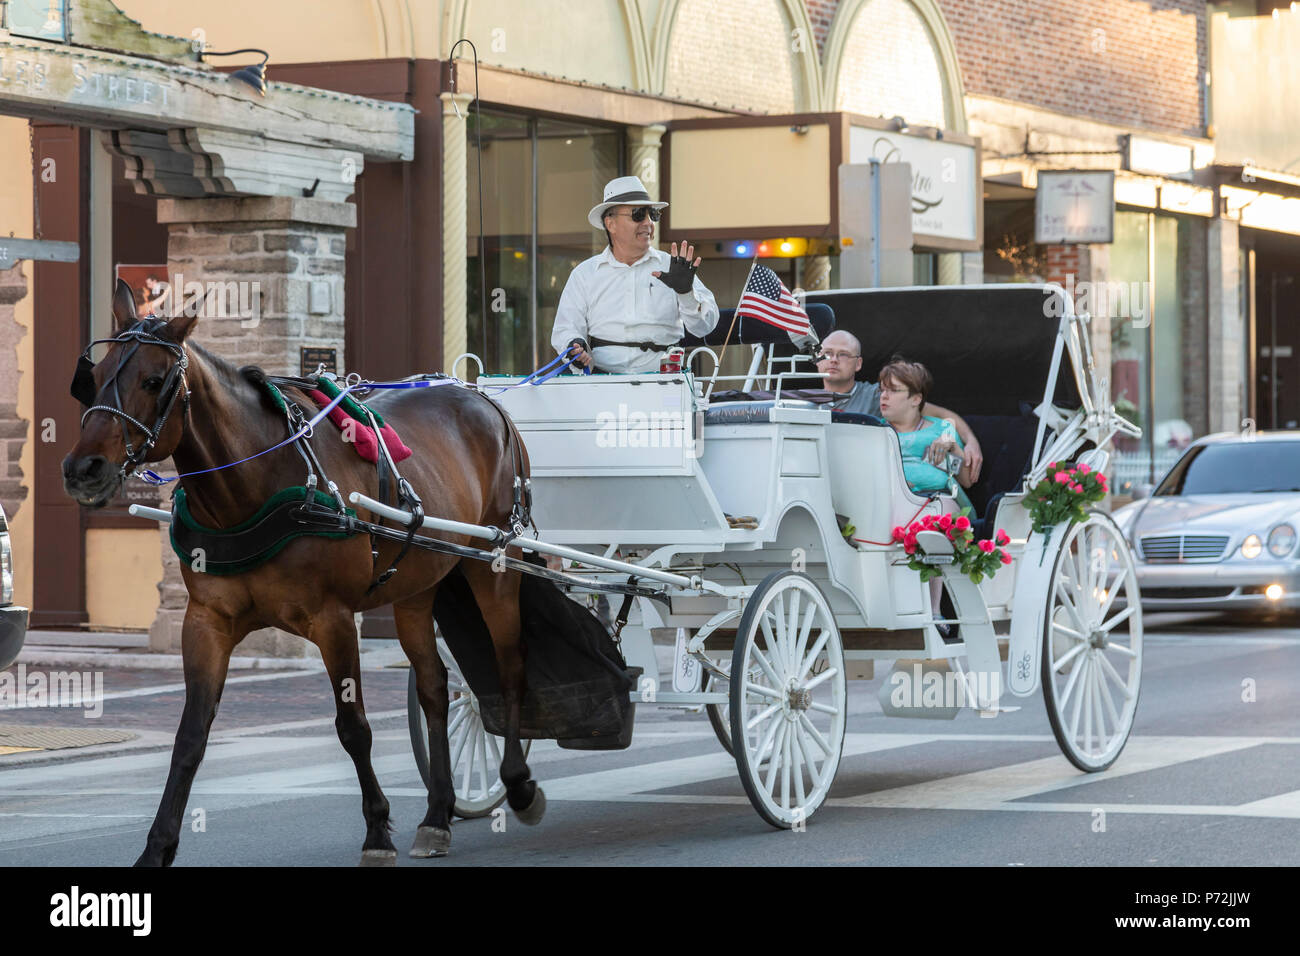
{"points": [[136, 399]]}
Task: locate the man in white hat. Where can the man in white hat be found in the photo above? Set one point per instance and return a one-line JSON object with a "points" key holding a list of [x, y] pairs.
{"points": [[626, 306]]}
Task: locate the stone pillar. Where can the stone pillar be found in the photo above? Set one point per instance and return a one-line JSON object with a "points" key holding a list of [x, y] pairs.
{"points": [[267, 275], [455, 231], [643, 144], [1226, 332], [13, 429]]}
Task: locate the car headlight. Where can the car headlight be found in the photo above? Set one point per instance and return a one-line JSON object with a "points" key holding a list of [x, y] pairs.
{"points": [[1251, 547], [1281, 540]]}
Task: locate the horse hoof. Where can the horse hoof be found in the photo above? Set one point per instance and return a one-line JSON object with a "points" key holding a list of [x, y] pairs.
{"points": [[430, 842], [379, 858], [532, 814]]}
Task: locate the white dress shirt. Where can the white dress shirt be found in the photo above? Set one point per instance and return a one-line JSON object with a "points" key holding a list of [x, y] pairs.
{"points": [[611, 300]]}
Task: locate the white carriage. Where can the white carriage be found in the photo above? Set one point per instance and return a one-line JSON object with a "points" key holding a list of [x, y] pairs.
{"points": [[729, 509]]}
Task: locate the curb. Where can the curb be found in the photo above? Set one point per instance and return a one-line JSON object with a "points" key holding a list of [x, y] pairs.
{"points": [[370, 660], [115, 659]]}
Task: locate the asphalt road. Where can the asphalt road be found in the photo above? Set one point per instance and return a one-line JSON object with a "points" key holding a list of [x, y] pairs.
{"points": [[1208, 778]]}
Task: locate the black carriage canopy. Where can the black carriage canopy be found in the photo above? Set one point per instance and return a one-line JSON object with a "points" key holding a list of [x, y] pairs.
{"points": [[989, 348]]}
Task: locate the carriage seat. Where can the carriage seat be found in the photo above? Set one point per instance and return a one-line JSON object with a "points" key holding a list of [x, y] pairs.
{"points": [[748, 412], [1008, 445], [866, 478]]}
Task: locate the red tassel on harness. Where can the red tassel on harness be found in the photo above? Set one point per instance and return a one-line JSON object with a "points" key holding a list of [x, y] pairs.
{"points": [[363, 437]]}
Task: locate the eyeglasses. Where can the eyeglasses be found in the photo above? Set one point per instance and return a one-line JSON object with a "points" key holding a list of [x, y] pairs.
{"points": [[639, 214], [896, 391], [827, 356]]}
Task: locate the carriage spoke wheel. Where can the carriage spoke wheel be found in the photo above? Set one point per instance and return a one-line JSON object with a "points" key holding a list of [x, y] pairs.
{"points": [[1092, 644], [475, 753], [788, 715], [720, 714]]}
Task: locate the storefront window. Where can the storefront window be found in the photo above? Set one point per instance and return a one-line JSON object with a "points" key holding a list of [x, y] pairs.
{"points": [[540, 177], [1151, 382]]}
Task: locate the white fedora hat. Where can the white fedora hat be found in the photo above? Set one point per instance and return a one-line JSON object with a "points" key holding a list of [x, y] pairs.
{"points": [[624, 191]]}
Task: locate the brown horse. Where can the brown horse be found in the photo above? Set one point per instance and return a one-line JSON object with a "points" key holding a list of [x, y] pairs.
{"points": [[463, 468]]}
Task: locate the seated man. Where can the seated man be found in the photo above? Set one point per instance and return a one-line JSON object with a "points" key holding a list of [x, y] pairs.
{"points": [[839, 361], [925, 440], [628, 305]]}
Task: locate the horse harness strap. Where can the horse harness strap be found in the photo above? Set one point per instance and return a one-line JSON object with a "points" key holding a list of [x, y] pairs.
{"points": [[406, 498], [144, 332]]}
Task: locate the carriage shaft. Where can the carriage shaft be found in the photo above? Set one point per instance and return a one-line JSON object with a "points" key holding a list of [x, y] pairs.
{"points": [[496, 535]]}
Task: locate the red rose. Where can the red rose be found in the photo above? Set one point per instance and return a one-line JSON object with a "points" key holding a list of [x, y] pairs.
{"points": [[1006, 558], [962, 523], [945, 522], [1003, 538], [898, 533], [1051, 466], [1062, 478], [1076, 488], [986, 546], [1084, 468]]}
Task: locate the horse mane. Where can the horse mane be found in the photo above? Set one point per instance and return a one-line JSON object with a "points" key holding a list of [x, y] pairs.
{"points": [[256, 376], [233, 377]]}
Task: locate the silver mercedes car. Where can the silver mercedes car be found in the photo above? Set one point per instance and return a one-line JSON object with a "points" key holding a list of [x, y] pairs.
{"points": [[1219, 532]]}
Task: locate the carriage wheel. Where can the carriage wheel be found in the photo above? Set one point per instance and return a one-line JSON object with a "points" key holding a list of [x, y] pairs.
{"points": [[787, 744], [475, 754], [1092, 653], [719, 714]]}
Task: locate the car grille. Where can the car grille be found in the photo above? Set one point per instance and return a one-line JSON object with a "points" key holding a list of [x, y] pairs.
{"points": [[1184, 547], [1156, 594]]}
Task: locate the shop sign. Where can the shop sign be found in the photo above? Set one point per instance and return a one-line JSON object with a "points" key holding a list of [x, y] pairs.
{"points": [[1075, 206], [945, 181], [39, 19]]}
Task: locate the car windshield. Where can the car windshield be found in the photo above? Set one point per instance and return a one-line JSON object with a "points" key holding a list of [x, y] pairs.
{"points": [[1242, 467]]}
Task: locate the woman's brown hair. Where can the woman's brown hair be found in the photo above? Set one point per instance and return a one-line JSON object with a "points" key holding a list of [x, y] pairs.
{"points": [[913, 376]]}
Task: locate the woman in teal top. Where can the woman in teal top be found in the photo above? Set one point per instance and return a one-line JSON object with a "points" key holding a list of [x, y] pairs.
{"points": [[904, 387]]}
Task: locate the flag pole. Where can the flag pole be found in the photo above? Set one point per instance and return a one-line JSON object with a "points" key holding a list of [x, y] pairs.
{"points": [[734, 316]]}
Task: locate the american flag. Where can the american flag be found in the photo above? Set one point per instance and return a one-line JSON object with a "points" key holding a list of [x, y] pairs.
{"points": [[767, 299]]}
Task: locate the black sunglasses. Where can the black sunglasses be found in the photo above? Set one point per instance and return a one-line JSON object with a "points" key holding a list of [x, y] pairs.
{"points": [[639, 214]]}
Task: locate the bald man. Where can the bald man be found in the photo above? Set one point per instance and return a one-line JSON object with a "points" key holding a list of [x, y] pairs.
{"points": [[839, 362]]}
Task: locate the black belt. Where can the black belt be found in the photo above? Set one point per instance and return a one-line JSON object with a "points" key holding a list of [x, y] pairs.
{"points": [[643, 346]]}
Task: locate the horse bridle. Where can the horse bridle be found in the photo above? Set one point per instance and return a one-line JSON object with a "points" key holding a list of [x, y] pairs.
{"points": [[144, 332]]}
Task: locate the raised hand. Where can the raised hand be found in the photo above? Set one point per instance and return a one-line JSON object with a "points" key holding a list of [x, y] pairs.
{"points": [[681, 270]]}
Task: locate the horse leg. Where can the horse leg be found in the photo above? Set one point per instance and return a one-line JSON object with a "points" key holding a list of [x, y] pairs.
{"points": [[335, 633], [207, 640], [497, 595], [414, 620]]}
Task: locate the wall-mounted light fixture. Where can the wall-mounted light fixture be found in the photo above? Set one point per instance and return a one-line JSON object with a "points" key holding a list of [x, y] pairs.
{"points": [[254, 75]]}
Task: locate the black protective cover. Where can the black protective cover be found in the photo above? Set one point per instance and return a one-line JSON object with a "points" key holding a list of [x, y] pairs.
{"points": [[577, 683]]}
